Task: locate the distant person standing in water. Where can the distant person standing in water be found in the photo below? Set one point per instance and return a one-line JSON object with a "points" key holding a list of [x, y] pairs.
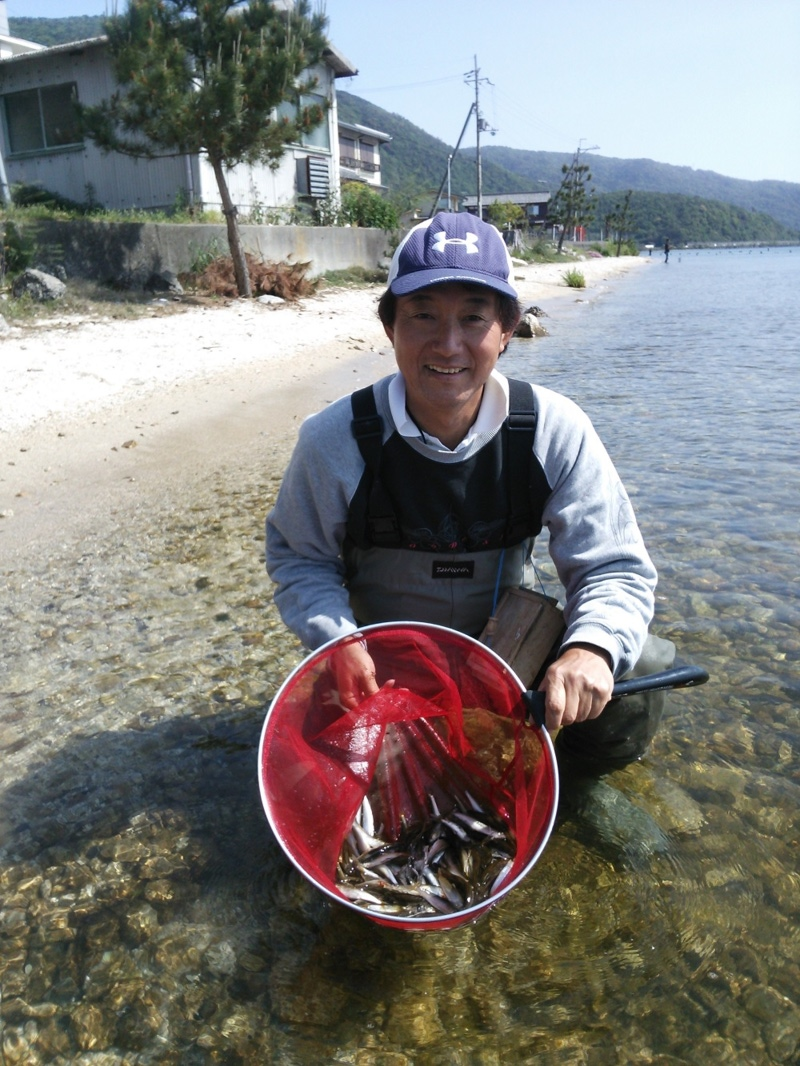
{"points": [[666, 250]]}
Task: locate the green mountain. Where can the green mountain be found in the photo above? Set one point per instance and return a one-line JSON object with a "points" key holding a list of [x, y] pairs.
{"points": [[57, 31], [686, 204], [780, 199], [693, 220], [416, 162]]}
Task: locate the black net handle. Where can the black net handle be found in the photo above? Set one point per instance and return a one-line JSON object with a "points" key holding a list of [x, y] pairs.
{"points": [[677, 677]]}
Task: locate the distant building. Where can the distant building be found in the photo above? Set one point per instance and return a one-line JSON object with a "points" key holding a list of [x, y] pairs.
{"points": [[41, 144], [360, 153], [534, 204], [12, 46]]}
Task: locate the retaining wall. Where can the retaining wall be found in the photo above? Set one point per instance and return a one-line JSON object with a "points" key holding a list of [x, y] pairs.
{"points": [[131, 251]]}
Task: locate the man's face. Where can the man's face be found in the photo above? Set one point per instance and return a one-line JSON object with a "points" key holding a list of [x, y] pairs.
{"points": [[447, 339]]}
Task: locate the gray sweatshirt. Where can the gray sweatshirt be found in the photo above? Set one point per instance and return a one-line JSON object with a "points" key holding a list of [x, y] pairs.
{"points": [[594, 540]]}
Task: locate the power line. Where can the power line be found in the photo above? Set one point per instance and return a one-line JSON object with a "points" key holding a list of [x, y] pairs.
{"points": [[411, 85], [523, 118]]}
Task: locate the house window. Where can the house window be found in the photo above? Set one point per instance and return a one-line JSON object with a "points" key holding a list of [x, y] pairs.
{"points": [[316, 138], [347, 151], [369, 156], [42, 119]]}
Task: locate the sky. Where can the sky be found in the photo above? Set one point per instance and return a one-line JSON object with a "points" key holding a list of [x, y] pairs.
{"points": [[707, 84]]}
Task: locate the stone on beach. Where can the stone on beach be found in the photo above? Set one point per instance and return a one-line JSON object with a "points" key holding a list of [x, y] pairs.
{"points": [[38, 285]]}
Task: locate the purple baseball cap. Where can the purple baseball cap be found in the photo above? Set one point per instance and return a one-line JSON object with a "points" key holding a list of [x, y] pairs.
{"points": [[451, 247]]}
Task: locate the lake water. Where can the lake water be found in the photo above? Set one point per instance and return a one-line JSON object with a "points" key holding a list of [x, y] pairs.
{"points": [[147, 917]]}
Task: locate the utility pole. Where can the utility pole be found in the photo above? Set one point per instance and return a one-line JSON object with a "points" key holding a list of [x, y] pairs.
{"points": [[5, 191], [480, 126], [594, 148], [446, 178], [479, 170], [576, 164]]}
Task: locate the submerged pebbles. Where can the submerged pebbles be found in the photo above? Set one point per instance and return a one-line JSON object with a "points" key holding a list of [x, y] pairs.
{"points": [[147, 917]]}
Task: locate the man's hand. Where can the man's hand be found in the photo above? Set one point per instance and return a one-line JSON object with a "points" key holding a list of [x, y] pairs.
{"points": [[577, 686], [354, 671]]}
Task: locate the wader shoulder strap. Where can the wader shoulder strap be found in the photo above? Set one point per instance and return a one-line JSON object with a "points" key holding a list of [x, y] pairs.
{"points": [[367, 428], [523, 473]]}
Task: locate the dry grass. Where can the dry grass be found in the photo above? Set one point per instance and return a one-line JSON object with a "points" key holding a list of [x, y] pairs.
{"points": [[90, 301], [214, 286], [287, 280]]}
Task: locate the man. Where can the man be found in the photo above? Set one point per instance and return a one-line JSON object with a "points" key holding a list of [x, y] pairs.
{"points": [[410, 501]]}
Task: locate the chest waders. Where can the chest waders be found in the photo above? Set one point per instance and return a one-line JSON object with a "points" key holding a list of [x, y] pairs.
{"points": [[439, 541], [433, 541]]}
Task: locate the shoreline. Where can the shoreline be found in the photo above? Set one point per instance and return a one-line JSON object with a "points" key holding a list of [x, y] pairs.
{"points": [[102, 417]]}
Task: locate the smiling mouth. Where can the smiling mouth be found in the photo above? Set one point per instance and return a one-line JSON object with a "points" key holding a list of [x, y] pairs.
{"points": [[445, 370]]}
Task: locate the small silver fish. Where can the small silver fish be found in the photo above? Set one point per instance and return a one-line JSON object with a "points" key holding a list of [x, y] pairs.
{"points": [[438, 866]]}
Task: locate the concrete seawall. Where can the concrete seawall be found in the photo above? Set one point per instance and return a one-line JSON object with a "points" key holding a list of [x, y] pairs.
{"points": [[131, 251]]}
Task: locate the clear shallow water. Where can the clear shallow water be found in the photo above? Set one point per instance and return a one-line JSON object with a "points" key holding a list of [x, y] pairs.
{"points": [[147, 917]]}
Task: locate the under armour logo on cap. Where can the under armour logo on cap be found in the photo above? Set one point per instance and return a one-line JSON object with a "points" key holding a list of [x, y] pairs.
{"points": [[469, 240], [451, 247]]}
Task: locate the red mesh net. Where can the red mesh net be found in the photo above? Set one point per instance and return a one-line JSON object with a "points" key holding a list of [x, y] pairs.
{"points": [[452, 726]]}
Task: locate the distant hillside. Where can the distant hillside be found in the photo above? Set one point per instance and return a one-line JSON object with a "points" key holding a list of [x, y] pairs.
{"points": [[415, 159], [780, 199], [693, 220], [57, 31]]}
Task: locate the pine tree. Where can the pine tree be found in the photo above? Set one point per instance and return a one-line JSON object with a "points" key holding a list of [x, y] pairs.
{"points": [[619, 221], [574, 203], [206, 76]]}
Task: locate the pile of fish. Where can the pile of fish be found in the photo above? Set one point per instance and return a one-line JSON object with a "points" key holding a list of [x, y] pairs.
{"points": [[439, 865]]}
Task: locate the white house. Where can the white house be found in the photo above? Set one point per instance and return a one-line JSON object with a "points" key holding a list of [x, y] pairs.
{"points": [[12, 46], [41, 145], [360, 153]]}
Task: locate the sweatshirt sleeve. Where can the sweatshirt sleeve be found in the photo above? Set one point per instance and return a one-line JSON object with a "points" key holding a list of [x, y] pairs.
{"points": [[595, 542], [306, 528]]}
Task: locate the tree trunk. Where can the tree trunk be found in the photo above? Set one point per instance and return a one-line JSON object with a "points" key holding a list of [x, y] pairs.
{"points": [[240, 270]]}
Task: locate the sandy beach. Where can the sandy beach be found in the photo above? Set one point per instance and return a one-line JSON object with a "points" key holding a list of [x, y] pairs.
{"points": [[101, 415]]}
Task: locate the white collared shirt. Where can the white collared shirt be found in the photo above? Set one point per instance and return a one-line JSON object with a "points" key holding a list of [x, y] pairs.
{"points": [[491, 414]]}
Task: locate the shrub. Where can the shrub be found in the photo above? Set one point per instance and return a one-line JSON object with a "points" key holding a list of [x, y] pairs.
{"points": [[205, 254], [609, 248], [38, 196], [16, 252], [539, 251], [574, 278], [362, 206], [629, 247]]}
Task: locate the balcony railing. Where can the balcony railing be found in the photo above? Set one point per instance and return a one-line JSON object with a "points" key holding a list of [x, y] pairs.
{"points": [[359, 164]]}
